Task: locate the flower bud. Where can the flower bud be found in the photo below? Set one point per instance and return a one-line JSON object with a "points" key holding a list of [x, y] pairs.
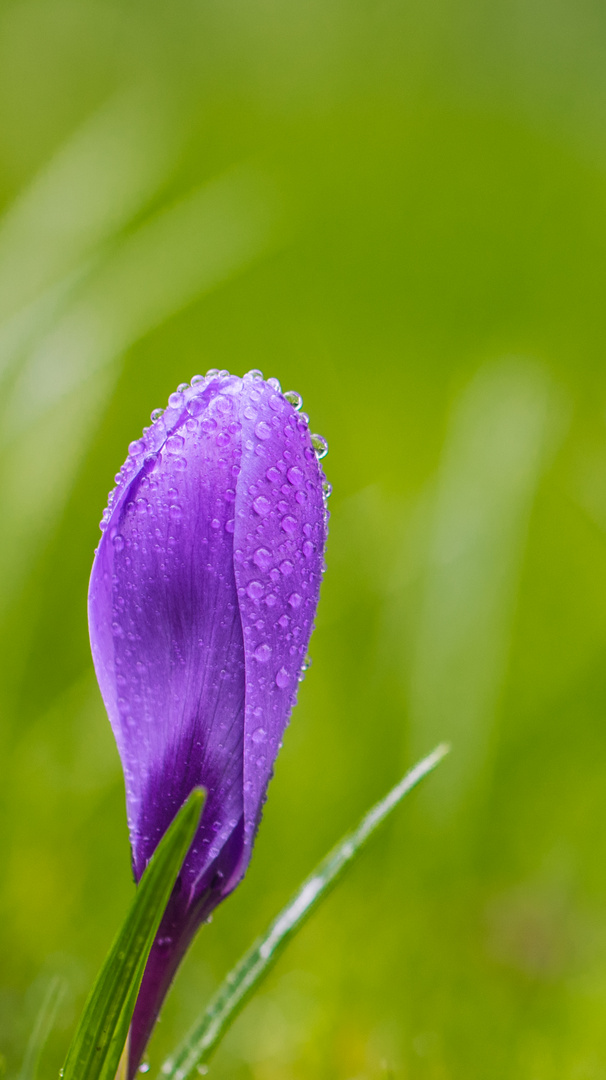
{"points": [[202, 598]]}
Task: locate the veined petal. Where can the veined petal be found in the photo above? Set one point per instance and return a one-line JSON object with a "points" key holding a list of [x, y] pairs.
{"points": [[279, 549]]}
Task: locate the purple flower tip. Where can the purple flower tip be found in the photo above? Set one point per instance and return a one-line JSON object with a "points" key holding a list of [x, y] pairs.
{"points": [[202, 598]]}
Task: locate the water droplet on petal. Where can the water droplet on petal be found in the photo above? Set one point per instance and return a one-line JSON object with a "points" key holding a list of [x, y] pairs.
{"points": [[326, 489], [282, 678], [286, 567], [255, 590], [295, 476], [289, 525], [212, 371], [176, 399], [175, 443], [156, 414], [118, 542], [259, 735], [294, 399], [262, 558], [263, 430], [275, 385], [295, 600], [283, 621], [262, 653], [195, 406], [320, 446], [215, 523], [197, 379], [262, 506], [254, 375], [308, 549]]}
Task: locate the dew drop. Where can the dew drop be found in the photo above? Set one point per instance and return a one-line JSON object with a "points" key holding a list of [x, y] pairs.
{"points": [[156, 414], [275, 385], [223, 438], [262, 558], [283, 621], [320, 446], [175, 443], [136, 447], [308, 549], [215, 523], [282, 678], [262, 653], [295, 600], [259, 735], [197, 379], [286, 567], [273, 475], [230, 526], [262, 506], [294, 399], [295, 476], [183, 386], [176, 399], [212, 371], [254, 375], [263, 430], [255, 590], [289, 525], [118, 542], [144, 1067], [270, 600], [195, 406]]}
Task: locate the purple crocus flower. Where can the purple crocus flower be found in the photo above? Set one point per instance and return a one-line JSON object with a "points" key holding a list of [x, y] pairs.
{"points": [[202, 599]]}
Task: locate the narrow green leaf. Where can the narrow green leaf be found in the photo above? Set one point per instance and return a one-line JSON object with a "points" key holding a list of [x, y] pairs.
{"points": [[101, 1034], [223, 1008], [42, 1028]]}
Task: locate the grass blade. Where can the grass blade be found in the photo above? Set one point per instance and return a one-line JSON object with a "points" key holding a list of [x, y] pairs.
{"points": [[101, 1034], [42, 1028], [231, 996]]}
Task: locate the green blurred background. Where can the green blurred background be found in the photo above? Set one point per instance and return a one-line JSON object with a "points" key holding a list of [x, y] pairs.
{"points": [[398, 208]]}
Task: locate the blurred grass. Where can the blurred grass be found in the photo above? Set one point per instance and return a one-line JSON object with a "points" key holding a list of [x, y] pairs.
{"points": [[421, 252]]}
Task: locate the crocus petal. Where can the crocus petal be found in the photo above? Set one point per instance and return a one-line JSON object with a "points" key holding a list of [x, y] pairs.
{"points": [[201, 604]]}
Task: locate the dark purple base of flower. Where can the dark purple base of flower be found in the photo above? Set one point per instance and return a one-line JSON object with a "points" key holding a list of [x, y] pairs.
{"points": [[175, 934], [177, 929]]}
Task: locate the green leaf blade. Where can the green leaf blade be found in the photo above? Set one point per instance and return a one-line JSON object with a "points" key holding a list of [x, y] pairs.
{"points": [[97, 1045], [199, 1045]]}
